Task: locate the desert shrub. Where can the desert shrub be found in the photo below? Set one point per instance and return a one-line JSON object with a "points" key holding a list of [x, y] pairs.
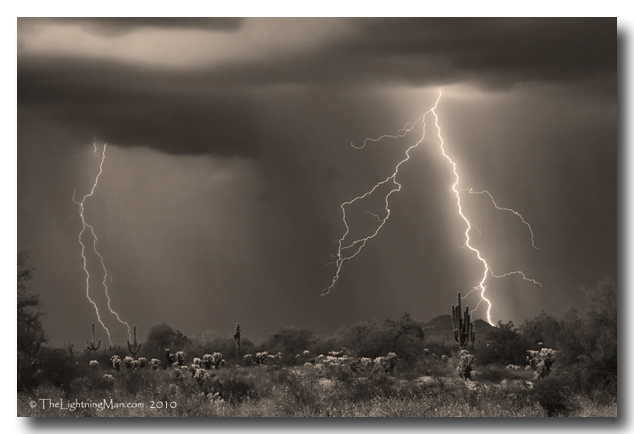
{"points": [[543, 330], [586, 345], [338, 372], [555, 395], [289, 341], [232, 385], [377, 384], [599, 362], [56, 367], [133, 380], [160, 337], [300, 393], [403, 336], [92, 381], [324, 346], [210, 343], [503, 345]]}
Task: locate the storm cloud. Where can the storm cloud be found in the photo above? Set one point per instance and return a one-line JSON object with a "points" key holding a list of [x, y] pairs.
{"points": [[207, 109]]}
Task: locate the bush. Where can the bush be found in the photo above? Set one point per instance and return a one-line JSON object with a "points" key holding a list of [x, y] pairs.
{"points": [[504, 345], [554, 395], [56, 367], [232, 385], [301, 395]]}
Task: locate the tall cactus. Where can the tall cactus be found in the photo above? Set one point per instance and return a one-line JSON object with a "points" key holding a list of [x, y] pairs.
{"points": [[69, 348], [134, 349], [236, 337], [91, 344], [463, 329]]}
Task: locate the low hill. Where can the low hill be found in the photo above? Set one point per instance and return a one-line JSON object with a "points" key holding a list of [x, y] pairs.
{"points": [[443, 324]]}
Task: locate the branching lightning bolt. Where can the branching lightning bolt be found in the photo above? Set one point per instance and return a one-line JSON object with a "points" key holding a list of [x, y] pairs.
{"points": [[342, 250], [95, 239], [360, 243], [472, 191]]}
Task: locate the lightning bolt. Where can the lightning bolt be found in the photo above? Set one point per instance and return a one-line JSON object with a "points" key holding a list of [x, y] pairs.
{"points": [[95, 239], [530, 229], [347, 252], [355, 246]]}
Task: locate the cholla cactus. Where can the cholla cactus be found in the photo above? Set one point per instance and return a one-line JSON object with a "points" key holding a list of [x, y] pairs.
{"points": [[365, 362], [116, 362], [127, 361], [217, 361], [142, 362], [444, 358], [249, 359], [214, 361], [465, 365], [154, 364], [261, 357], [361, 364], [94, 364], [387, 363], [306, 353], [426, 352], [335, 353], [200, 375], [196, 361], [135, 364], [169, 357], [541, 361], [513, 368], [331, 360], [109, 378], [180, 358]]}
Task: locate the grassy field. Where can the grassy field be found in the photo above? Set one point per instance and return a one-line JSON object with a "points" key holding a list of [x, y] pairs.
{"points": [[429, 388]]}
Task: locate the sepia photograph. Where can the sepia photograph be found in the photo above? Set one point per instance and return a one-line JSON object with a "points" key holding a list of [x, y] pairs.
{"points": [[400, 217]]}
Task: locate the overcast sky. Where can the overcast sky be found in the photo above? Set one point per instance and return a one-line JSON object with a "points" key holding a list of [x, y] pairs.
{"points": [[229, 154]]}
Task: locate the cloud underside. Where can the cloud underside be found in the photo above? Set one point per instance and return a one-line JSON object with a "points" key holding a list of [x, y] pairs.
{"points": [[113, 27], [208, 109]]}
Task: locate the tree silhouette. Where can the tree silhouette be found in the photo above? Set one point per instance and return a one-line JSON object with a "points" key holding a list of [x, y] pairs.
{"points": [[31, 334]]}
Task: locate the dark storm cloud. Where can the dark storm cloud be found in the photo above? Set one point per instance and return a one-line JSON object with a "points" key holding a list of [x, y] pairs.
{"points": [[493, 52], [113, 27], [133, 106], [512, 50], [207, 109]]}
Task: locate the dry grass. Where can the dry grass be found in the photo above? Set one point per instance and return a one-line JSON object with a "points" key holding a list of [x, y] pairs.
{"points": [[304, 392]]}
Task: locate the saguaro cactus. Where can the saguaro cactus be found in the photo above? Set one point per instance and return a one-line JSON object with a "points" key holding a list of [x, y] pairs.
{"points": [[69, 348], [91, 344], [134, 349], [463, 329], [236, 337]]}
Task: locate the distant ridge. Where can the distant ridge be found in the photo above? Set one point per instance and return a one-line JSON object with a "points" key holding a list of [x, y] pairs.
{"points": [[444, 324]]}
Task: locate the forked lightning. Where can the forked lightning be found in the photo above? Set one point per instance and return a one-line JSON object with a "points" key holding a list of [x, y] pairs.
{"points": [[349, 249]]}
